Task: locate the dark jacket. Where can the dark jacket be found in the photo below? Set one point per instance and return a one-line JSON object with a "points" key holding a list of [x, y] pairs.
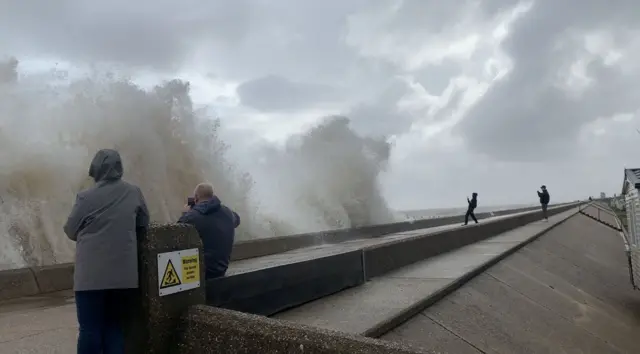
{"points": [[216, 225], [473, 203], [544, 197], [104, 222]]}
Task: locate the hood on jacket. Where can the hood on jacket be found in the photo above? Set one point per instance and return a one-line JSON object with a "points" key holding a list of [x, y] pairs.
{"points": [[106, 166], [208, 206]]}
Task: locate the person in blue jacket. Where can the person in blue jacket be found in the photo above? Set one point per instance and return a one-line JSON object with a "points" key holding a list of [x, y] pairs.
{"points": [[544, 201], [216, 225]]}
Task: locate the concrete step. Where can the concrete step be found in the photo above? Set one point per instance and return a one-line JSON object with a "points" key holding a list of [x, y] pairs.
{"points": [[385, 302]]}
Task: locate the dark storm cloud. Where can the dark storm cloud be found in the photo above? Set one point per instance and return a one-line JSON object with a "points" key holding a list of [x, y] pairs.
{"points": [[526, 116], [142, 33], [240, 39], [275, 93], [298, 42]]}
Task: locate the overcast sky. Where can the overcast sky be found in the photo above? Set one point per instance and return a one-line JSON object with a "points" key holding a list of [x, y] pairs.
{"points": [[494, 96]]}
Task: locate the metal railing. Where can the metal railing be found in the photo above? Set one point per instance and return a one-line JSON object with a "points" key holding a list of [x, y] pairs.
{"points": [[599, 213]]}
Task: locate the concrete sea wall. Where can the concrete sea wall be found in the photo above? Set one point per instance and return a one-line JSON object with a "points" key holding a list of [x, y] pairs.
{"points": [[22, 282]]}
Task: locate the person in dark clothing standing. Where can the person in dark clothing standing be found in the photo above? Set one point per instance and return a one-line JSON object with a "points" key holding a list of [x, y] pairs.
{"points": [[473, 204], [106, 221], [544, 201], [216, 225]]}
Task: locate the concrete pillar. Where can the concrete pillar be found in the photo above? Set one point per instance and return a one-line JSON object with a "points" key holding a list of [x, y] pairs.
{"points": [[172, 273]]}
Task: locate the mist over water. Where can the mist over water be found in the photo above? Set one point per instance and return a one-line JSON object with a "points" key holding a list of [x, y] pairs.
{"points": [[50, 128]]}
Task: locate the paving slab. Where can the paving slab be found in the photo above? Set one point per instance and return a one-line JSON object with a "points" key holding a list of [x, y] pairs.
{"points": [[496, 318], [42, 324], [355, 310], [438, 338], [364, 309], [567, 292]]}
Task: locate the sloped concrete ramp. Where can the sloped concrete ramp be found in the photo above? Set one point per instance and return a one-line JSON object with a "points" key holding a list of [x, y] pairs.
{"points": [[567, 292]]}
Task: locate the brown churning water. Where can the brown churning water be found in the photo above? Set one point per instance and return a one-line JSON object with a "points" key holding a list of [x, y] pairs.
{"points": [[50, 128]]}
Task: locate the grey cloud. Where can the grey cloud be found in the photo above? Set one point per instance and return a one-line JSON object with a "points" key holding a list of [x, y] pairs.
{"points": [[240, 39], [435, 78], [275, 93], [8, 70], [380, 115], [526, 117], [156, 34], [292, 45], [592, 170], [414, 18]]}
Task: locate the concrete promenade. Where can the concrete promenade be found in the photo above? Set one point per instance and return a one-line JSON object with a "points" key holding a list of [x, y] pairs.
{"points": [[47, 323], [382, 302], [39, 325], [567, 292]]}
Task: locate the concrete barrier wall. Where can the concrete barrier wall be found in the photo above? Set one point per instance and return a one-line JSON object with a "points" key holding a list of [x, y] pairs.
{"points": [[151, 322], [17, 283], [22, 282], [271, 288], [208, 330], [32, 281], [387, 257], [274, 245]]}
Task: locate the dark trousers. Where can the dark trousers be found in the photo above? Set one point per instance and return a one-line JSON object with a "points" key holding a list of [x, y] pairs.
{"points": [[213, 273], [470, 214], [544, 211], [101, 319]]}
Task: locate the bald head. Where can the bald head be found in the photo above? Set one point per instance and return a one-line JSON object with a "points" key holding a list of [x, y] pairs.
{"points": [[203, 191]]}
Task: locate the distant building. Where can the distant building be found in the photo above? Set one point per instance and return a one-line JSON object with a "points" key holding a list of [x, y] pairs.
{"points": [[603, 195]]}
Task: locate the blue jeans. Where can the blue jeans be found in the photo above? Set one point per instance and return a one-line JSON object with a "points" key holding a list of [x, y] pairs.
{"points": [[101, 319]]}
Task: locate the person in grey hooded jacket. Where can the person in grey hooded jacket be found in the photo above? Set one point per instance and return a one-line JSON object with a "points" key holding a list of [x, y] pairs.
{"points": [[106, 221]]}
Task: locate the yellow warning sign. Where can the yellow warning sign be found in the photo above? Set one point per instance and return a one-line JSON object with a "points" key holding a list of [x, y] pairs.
{"points": [[178, 271], [190, 269], [170, 277]]}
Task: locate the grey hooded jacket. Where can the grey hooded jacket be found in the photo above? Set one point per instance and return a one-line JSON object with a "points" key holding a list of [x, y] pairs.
{"points": [[105, 222]]}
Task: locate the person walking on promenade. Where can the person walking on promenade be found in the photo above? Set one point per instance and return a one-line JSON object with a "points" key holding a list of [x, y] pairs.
{"points": [[544, 201], [105, 222], [216, 225], [473, 204]]}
